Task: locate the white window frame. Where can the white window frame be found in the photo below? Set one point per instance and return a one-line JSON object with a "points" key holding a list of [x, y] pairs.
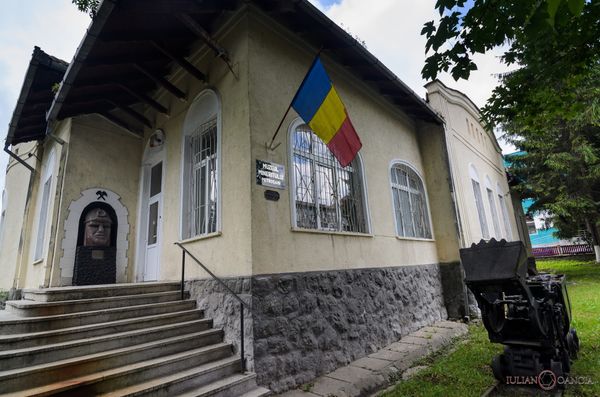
{"points": [[360, 172], [479, 203], [204, 108], [490, 194], [427, 209], [504, 209], [44, 201]]}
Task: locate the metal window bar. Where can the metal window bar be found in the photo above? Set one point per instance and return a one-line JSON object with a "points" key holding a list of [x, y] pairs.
{"points": [[203, 172], [410, 204], [328, 196], [243, 304]]}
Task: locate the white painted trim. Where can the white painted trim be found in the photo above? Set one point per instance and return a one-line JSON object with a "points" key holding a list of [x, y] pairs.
{"points": [[292, 186], [69, 242], [46, 175], [412, 167], [182, 182], [151, 157]]}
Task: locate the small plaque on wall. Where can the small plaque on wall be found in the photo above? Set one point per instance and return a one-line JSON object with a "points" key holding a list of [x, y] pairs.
{"points": [[270, 174]]}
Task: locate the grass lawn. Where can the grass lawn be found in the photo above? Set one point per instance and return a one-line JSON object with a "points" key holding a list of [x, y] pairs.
{"points": [[464, 369]]}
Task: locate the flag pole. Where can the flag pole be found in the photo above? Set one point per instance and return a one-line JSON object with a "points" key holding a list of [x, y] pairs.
{"points": [[270, 146]]}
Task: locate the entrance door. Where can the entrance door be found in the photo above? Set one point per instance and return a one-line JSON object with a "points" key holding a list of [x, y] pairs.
{"points": [[153, 213]]}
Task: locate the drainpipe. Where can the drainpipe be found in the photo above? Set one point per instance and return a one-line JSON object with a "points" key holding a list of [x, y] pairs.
{"points": [[14, 156]]}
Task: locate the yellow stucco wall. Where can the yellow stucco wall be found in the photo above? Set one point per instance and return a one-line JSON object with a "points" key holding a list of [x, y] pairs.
{"points": [[16, 188], [227, 253], [470, 143], [278, 63], [100, 155]]}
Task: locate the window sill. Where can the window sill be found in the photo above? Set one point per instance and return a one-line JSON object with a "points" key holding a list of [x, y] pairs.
{"points": [[431, 240], [202, 237], [315, 231]]}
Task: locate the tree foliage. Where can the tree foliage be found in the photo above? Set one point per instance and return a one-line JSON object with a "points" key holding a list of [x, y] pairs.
{"points": [[88, 6]]}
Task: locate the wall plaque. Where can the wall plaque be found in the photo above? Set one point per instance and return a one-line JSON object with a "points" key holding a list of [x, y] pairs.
{"points": [[270, 174]]}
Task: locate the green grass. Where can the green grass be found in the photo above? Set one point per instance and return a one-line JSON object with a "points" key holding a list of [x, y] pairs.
{"points": [[464, 369]]}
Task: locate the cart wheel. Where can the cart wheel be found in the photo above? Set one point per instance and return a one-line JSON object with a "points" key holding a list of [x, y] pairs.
{"points": [[497, 368]]}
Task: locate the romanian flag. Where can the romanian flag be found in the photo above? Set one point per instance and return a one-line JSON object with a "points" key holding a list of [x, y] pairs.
{"points": [[319, 105]]}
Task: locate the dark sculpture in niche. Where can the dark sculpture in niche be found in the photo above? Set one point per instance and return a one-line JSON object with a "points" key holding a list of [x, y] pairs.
{"points": [[98, 226], [95, 257]]}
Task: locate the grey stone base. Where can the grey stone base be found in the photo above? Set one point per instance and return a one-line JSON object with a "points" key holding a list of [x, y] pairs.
{"points": [[455, 291], [304, 325], [308, 324], [224, 310]]}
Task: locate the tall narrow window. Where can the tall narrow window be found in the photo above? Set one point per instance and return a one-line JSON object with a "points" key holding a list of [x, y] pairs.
{"points": [[479, 202], [410, 204], [492, 203], [327, 196], [44, 207], [201, 167], [504, 209]]}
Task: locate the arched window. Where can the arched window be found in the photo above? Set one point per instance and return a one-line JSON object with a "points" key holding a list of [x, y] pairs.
{"points": [[200, 187], [492, 202], [327, 196], [410, 202], [504, 209], [479, 202]]}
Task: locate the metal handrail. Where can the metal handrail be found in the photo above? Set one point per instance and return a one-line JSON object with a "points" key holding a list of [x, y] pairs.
{"points": [[243, 304]]}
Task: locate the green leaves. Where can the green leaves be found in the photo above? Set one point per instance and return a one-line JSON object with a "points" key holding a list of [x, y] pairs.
{"points": [[552, 8], [522, 24], [576, 6]]}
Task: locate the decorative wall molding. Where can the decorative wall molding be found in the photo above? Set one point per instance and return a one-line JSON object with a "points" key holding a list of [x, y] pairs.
{"points": [[69, 242]]}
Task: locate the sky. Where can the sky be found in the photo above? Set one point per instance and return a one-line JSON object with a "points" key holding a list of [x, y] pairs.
{"points": [[390, 28]]}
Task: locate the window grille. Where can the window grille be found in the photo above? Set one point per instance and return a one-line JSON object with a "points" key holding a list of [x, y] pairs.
{"points": [[327, 195], [203, 172], [410, 203]]}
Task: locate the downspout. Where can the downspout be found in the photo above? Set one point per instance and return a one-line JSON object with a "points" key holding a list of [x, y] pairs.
{"points": [[17, 158]]}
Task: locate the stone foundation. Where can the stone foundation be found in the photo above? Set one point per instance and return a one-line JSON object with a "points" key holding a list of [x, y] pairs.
{"points": [[224, 310], [308, 324], [304, 325]]}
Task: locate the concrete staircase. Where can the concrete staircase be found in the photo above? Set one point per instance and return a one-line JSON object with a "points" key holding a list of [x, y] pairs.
{"points": [[116, 340]]}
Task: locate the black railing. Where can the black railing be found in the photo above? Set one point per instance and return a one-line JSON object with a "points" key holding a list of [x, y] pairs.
{"points": [[243, 304]]}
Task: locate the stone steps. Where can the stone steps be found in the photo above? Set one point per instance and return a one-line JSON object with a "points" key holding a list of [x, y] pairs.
{"points": [[46, 323], [10, 342], [26, 308], [131, 343], [97, 291], [17, 358]]}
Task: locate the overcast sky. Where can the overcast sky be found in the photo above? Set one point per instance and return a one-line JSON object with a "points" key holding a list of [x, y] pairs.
{"points": [[390, 28]]}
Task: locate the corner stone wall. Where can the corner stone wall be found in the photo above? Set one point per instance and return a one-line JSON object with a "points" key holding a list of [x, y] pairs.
{"points": [[308, 324], [220, 306]]}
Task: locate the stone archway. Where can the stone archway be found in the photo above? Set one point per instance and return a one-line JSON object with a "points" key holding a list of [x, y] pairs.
{"points": [[69, 242]]}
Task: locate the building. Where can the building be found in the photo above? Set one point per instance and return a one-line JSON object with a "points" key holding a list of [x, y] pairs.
{"points": [[484, 204], [161, 125]]}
